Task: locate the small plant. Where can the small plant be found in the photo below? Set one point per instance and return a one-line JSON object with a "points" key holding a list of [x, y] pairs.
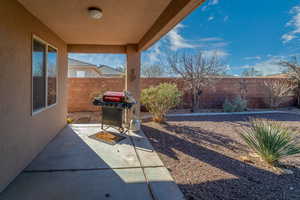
{"points": [[160, 99], [241, 104], [270, 140], [228, 106], [237, 105], [69, 120], [277, 91]]}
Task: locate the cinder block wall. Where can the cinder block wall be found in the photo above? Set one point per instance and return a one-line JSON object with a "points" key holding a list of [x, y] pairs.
{"points": [[81, 91]]}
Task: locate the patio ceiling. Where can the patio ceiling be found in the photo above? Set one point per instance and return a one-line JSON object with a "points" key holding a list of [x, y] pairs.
{"points": [[140, 22]]}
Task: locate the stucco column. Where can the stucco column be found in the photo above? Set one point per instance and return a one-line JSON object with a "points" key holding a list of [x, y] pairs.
{"points": [[132, 80]]}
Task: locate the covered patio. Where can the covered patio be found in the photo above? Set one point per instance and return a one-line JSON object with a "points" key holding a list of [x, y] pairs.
{"points": [[36, 37], [75, 166]]}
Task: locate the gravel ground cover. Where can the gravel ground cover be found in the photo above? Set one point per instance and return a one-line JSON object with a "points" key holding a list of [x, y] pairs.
{"points": [[206, 157]]}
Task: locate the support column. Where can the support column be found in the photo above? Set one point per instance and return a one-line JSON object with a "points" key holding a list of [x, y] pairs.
{"points": [[132, 80]]}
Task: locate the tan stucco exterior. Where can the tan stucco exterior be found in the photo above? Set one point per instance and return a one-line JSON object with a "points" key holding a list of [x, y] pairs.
{"points": [[23, 136], [132, 80]]}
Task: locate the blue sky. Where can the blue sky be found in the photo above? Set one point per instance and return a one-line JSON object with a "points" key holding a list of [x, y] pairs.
{"points": [[245, 34]]}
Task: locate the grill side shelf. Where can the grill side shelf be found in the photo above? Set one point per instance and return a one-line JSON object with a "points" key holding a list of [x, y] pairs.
{"points": [[123, 105]]}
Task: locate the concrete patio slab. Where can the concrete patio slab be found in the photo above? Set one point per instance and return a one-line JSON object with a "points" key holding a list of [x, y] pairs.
{"points": [[110, 184], [74, 167], [73, 149], [162, 184], [145, 151]]}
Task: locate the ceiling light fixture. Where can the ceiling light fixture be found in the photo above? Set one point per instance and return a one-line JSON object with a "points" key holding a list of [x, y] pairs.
{"points": [[95, 13]]}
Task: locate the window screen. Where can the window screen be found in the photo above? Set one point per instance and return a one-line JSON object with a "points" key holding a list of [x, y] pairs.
{"points": [[38, 75], [52, 75]]}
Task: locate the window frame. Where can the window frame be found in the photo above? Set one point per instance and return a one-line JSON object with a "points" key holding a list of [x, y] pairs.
{"points": [[47, 44]]}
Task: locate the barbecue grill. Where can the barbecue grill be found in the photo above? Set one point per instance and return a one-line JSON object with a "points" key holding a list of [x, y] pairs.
{"points": [[114, 105]]}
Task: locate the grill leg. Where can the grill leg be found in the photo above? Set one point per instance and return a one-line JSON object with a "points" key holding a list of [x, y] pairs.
{"points": [[102, 119]]}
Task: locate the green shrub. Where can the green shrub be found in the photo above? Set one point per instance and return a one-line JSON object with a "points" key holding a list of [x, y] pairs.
{"points": [[270, 140], [160, 99], [241, 104], [237, 105], [228, 106]]}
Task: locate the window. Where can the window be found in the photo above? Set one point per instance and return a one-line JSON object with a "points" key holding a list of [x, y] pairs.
{"points": [[52, 75], [44, 75], [80, 74]]}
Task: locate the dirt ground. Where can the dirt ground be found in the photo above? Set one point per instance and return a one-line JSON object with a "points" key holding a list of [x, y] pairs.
{"points": [[205, 156]]}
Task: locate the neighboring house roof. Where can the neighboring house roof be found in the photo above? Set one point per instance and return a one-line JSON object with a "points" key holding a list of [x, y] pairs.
{"points": [[103, 70], [74, 62], [107, 70]]}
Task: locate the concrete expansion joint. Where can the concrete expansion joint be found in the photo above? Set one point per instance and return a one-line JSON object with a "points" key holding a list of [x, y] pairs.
{"points": [[90, 169], [143, 169]]}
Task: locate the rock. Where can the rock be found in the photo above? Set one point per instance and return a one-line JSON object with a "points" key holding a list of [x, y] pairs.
{"points": [[254, 155], [287, 171], [246, 159]]}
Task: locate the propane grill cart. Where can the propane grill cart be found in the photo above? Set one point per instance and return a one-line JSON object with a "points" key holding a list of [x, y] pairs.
{"points": [[113, 106]]}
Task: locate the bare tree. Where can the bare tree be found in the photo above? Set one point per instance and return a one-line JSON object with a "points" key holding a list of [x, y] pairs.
{"points": [[197, 70], [294, 75], [251, 72], [243, 87], [154, 70], [277, 91]]}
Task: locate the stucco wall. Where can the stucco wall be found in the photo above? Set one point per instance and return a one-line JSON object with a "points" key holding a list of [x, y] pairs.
{"points": [[81, 90], [23, 136]]}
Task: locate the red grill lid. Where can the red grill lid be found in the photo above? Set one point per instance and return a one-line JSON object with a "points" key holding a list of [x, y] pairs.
{"points": [[113, 96]]}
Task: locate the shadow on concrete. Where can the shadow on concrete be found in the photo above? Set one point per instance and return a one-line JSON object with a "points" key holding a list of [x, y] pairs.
{"points": [[69, 169]]}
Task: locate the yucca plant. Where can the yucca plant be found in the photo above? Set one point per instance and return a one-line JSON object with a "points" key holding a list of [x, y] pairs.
{"points": [[270, 140]]}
